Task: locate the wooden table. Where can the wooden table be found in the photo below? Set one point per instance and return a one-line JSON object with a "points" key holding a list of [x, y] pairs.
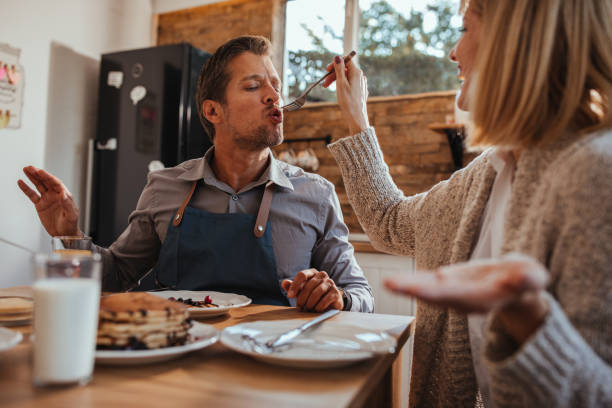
{"points": [[217, 377]]}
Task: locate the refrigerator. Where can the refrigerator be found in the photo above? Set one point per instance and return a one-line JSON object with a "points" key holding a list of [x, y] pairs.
{"points": [[147, 120]]}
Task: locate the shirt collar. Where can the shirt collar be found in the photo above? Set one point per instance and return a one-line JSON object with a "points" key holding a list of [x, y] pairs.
{"points": [[500, 158], [202, 170]]}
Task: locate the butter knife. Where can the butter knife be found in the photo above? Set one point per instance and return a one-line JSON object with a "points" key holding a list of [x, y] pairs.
{"points": [[286, 337]]}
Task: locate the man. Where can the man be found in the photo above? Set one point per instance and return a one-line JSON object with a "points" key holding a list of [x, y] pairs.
{"points": [[236, 220]]}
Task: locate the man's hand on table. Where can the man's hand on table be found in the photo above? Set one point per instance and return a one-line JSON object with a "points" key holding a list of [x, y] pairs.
{"points": [[56, 208], [315, 291]]}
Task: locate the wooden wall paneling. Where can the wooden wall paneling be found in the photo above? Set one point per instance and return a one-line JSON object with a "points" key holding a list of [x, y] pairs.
{"points": [[209, 26]]}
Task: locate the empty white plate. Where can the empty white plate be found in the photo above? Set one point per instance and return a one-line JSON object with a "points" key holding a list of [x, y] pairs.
{"points": [[330, 345]]}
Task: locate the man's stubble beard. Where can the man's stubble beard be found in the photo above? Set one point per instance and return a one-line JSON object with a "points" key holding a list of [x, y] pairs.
{"points": [[258, 139]]}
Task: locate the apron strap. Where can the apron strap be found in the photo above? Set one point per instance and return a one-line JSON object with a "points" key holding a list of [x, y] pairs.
{"points": [[179, 214], [264, 210], [262, 215]]}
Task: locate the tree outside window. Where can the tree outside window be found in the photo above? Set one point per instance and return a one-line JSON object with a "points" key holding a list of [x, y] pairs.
{"points": [[400, 51]]}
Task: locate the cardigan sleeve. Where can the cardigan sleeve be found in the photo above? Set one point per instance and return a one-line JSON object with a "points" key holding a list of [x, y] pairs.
{"points": [[389, 218], [556, 367], [566, 362]]}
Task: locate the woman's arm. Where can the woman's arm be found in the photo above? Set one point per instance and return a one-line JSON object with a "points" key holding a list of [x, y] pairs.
{"points": [[566, 360], [388, 217]]}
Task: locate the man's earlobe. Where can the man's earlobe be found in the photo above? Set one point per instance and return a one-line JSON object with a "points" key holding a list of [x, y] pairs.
{"points": [[211, 111]]}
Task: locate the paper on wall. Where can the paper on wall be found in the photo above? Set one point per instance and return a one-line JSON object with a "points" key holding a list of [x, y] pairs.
{"points": [[11, 87]]}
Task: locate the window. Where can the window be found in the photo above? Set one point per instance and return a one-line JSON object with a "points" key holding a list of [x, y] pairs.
{"points": [[314, 35], [402, 45]]}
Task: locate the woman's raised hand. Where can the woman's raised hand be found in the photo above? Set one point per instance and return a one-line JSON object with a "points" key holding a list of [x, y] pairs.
{"points": [[54, 204], [512, 288], [352, 91]]}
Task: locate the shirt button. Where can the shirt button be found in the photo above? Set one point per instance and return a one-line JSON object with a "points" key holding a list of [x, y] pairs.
{"points": [[234, 197]]}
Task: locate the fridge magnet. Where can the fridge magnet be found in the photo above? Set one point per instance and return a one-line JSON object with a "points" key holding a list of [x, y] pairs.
{"points": [[11, 87], [115, 79], [13, 76], [156, 165], [137, 70], [137, 93]]}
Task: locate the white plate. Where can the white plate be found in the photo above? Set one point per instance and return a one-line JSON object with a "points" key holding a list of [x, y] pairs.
{"points": [[329, 345], [203, 335], [226, 301], [9, 338]]}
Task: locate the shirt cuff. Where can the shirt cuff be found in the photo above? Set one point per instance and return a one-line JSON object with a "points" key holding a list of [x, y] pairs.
{"points": [[348, 301]]}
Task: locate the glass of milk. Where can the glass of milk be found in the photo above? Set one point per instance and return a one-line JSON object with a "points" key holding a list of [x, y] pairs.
{"points": [[66, 303]]}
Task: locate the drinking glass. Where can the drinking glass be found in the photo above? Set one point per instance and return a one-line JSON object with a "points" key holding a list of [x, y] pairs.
{"points": [[70, 246], [66, 303]]}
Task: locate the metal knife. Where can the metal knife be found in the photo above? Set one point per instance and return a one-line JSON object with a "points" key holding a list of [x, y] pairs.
{"points": [[286, 337]]}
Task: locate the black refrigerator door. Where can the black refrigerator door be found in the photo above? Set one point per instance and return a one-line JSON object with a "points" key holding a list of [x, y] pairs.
{"points": [[196, 140], [140, 128]]}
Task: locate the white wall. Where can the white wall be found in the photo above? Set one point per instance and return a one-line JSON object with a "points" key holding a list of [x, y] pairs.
{"points": [[61, 42]]}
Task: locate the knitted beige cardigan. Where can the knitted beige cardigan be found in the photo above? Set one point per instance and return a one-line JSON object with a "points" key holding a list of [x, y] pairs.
{"points": [[560, 212]]}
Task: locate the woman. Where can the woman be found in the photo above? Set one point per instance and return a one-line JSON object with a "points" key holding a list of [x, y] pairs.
{"points": [[495, 327]]}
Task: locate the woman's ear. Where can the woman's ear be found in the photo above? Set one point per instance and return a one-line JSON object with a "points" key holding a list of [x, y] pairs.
{"points": [[212, 111]]}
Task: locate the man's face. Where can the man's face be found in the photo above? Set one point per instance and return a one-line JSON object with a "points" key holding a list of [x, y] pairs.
{"points": [[252, 114]]}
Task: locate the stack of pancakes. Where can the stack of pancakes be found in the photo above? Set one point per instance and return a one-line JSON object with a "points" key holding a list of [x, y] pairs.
{"points": [[139, 321], [15, 310]]}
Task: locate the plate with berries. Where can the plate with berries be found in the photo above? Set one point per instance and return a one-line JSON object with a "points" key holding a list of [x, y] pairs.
{"points": [[205, 303]]}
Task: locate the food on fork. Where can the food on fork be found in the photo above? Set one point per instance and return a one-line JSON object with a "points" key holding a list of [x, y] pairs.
{"points": [[139, 321]]}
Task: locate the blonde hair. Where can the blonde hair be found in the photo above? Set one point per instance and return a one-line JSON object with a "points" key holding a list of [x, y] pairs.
{"points": [[543, 68]]}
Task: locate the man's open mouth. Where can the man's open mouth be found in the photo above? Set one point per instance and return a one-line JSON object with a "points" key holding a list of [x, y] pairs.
{"points": [[276, 115]]}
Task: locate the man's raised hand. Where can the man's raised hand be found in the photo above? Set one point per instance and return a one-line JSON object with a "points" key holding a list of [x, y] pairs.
{"points": [[54, 204]]}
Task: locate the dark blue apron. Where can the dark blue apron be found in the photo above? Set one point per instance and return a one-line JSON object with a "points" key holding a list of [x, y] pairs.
{"points": [[230, 253]]}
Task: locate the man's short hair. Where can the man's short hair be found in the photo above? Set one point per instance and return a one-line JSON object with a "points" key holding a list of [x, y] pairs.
{"points": [[214, 77]]}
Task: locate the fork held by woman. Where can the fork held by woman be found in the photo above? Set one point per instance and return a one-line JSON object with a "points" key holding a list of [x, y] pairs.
{"points": [[301, 100]]}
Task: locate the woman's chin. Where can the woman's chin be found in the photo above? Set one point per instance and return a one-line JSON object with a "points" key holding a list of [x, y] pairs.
{"points": [[462, 100]]}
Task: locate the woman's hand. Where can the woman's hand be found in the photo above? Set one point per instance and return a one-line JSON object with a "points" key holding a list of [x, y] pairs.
{"points": [[352, 91], [56, 208], [512, 288]]}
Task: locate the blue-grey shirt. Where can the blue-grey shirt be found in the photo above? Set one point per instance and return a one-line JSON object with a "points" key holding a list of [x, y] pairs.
{"points": [[305, 221]]}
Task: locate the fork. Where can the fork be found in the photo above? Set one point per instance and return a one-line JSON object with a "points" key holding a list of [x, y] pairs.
{"points": [[301, 100]]}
